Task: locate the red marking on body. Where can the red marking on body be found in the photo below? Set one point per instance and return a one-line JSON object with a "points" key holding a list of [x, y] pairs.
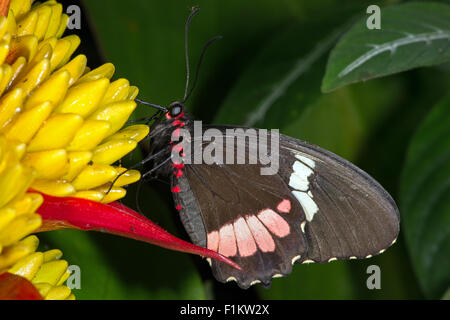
{"points": [[274, 222], [227, 243], [262, 237], [177, 165], [284, 206], [213, 240], [245, 242], [178, 207], [176, 189], [176, 122], [178, 173]]}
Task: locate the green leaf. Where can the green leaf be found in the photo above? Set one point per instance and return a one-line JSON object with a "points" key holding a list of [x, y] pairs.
{"points": [[283, 76], [412, 35], [425, 200]]}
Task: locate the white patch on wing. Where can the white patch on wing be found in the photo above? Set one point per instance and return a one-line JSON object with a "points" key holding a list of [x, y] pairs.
{"points": [[306, 160], [308, 204], [298, 181]]}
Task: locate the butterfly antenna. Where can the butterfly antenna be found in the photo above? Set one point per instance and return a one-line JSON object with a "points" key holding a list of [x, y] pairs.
{"points": [[195, 10], [156, 106], [210, 42]]}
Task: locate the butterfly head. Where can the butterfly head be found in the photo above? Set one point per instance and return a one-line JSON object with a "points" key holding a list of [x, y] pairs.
{"points": [[175, 110]]}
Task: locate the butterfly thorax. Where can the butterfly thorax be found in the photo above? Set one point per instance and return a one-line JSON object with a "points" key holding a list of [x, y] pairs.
{"points": [[164, 137]]}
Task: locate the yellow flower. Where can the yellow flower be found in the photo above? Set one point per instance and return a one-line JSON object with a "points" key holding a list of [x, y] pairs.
{"points": [[60, 133]]}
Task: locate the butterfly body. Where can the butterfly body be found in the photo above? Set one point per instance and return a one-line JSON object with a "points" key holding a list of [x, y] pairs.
{"points": [[317, 207]]}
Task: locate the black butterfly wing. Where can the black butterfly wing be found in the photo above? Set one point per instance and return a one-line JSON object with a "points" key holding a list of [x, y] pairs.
{"points": [[355, 217], [230, 199], [317, 208]]}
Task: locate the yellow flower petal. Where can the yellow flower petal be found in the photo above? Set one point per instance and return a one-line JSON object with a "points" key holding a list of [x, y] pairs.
{"points": [[25, 46], [58, 293], [53, 89], [50, 272], [78, 160], [89, 135], [33, 78], [19, 227], [28, 203], [28, 123], [57, 132], [51, 255], [62, 25], [3, 26], [60, 52], [114, 194], [126, 178], [74, 43], [116, 114], [17, 68], [10, 104], [49, 164], [17, 251], [112, 151], [28, 266], [136, 133], [10, 183], [5, 74], [90, 195], [132, 93], [6, 216], [104, 71], [84, 98], [117, 91], [93, 176], [53, 25], [45, 13], [43, 288], [75, 67], [63, 278], [27, 25], [56, 188]]}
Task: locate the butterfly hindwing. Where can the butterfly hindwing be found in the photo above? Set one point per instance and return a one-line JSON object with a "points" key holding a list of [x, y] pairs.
{"points": [[355, 218]]}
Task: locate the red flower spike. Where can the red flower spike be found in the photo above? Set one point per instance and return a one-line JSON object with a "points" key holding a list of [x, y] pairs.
{"points": [[14, 287], [114, 218]]}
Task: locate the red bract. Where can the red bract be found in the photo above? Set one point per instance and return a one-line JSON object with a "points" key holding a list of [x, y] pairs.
{"points": [[114, 218], [14, 287]]}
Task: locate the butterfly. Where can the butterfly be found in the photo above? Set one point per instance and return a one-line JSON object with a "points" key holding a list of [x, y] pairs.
{"points": [[317, 207]]}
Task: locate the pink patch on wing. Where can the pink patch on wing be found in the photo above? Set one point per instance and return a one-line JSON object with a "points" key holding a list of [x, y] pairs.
{"points": [[245, 242], [227, 242], [284, 206], [260, 234], [213, 240], [274, 222]]}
